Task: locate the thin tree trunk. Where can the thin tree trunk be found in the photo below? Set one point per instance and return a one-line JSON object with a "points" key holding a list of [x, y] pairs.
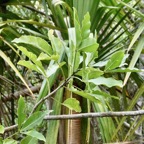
{"points": [[72, 127]]}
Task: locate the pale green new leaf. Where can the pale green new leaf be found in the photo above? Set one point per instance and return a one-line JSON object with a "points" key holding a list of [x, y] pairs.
{"points": [[31, 66], [92, 72], [32, 57], [21, 111], [36, 42], [100, 64], [89, 45], [44, 56], [72, 104], [72, 37], [10, 141], [53, 68], [109, 82], [77, 61], [35, 134], [86, 26], [77, 28], [29, 140], [115, 60], [57, 43], [34, 120], [1, 129]]}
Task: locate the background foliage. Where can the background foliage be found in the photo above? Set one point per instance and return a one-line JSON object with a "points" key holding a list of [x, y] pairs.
{"points": [[92, 51]]}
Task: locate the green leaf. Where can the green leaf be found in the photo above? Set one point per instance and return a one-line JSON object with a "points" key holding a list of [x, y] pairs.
{"points": [[36, 42], [21, 111], [85, 95], [115, 60], [1, 129], [44, 56], [29, 140], [72, 104], [104, 94], [34, 120], [135, 57], [35, 134], [90, 57], [32, 57], [125, 70], [53, 129], [77, 61], [57, 43], [10, 141], [89, 45], [100, 64], [72, 37], [78, 35], [53, 68], [92, 72], [1, 140], [109, 82], [136, 36], [31, 66], [86, 26]]}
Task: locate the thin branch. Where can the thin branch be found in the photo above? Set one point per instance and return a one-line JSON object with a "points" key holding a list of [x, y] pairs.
{"points": [[50, 94], [86, 115], [97, 114], [10, 128], [24, 92]]}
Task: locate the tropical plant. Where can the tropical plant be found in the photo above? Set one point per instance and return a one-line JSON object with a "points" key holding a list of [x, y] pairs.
{"points": [[88, 55]]}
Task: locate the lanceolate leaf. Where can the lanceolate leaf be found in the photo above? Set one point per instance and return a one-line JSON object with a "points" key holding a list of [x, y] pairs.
{"points": [[85, 95], [34, 120], [115, 60], [21, 111], [53, 129], [72, 104], [109, 82], [29, 140], [57, 44], [36, 42], [44, 56], [32, 57], [135, 57], [53, 68], [104, 94], [91, 72], [78, 35], [136, 36], [89, 45], [125, 70], [35, 134], [31, 66], [10, 141], [86, 26]]}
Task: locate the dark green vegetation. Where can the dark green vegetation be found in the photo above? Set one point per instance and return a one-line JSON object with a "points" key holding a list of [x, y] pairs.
{"points": [[90, 49]]}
